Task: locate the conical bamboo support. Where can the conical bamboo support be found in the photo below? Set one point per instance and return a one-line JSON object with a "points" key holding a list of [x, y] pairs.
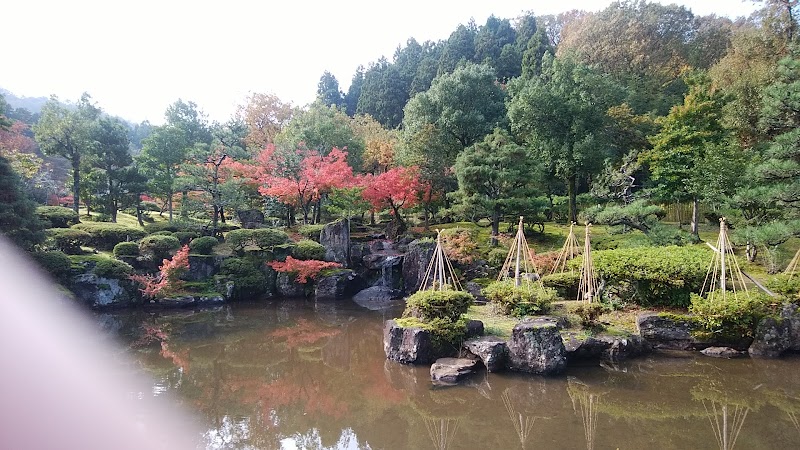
{"points": [[523, 424], [570, 250], [724, 275], [726, 422], [588, 287], [440, 274], [519, 261], [441, 431], [791, 269]]}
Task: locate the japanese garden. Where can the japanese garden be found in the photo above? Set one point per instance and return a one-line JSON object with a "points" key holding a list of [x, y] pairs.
{"points": [[544, 231]]}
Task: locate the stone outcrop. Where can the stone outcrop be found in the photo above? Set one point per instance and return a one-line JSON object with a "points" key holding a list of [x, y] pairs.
{"points": [[188, 301], [607, 348], [474, 328], [287, 286], [377, 298], [452, 370], [251, 218], [772, 338], [473, 288], [100, 292], [492, 350], [340, 284], [202, 267], [668, 332], [536, 347], [408, 345], [335, 236], [415, 263]]}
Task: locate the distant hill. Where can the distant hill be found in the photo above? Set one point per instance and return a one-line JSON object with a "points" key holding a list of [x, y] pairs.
{"points": [[32, 104]]}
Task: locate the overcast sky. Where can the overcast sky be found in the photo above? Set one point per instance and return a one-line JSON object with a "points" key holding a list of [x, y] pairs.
{"points": [[137, 57]]}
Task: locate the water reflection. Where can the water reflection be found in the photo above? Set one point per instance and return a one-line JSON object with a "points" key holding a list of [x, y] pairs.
{"points": [[297, 374]]}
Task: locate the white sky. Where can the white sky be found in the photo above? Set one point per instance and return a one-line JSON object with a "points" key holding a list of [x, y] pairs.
{"points": [[137, 57]]}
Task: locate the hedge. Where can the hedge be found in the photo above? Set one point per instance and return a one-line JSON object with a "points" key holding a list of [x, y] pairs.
{"points": [[248, 281], [112, 268], [69, 240], [126, 249], [657, 276], [565, 283], [262, 238], [58, 216], [203, 245], [429, 305], [521, 300], [307, 249], [160, 247], [105, 236], [55, 263]]}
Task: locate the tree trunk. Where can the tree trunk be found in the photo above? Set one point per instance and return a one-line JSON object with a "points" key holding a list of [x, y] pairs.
{"points": [[139, 213], [169, 203], [495, 226], [695, 216], [573, 207], [214, 222], [751, 251], [222, 213], [112, 202]]}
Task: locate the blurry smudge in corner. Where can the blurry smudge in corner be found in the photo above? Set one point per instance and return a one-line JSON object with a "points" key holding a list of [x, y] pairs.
{"points": [[62, 388]]}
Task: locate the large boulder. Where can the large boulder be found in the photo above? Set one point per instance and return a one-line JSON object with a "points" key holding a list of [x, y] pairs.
{"points": [[339, 284], [377, 298], [492, 350], [605, 347], [335, 236], [668, 331], [408, 345], [536, 347], [251, 218], [99, 292], [452, 370], [791, 314], [287, 286], [772, 338], [415, 263], [202, 267], [384, 269], [722, 352]]}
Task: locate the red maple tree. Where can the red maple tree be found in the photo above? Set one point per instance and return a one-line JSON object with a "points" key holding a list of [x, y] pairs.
{"points": [[168, 278], [305, 269], [396, 189]]}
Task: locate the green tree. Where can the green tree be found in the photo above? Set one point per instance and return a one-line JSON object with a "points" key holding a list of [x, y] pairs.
{"points": [[18, 220], [187, 117], [562, 115], [109, 153], [383, 94], [328, 90], [321, 128], [495, 175], [65, 131], [690, 135], [162, 154]]}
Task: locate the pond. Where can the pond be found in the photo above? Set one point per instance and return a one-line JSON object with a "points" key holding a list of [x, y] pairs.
{"points": [[298, 374]]}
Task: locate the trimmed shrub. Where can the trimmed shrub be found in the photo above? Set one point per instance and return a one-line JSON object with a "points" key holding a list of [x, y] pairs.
{"points": [[162, 233], [57, 216], [497, 257], [69, 240], [106, 235], [160, 247], [100, 217], [307, 249], [55, 263], [565, 283], [429, 305], [186, 236], [112, 268], [788, 287], [126, 249], [248, 281], [521, 300], [150, 206], [203, 245], [736, 317], [587, 312], [663, 276], [311, 231], [263, 238], [175, 225]]}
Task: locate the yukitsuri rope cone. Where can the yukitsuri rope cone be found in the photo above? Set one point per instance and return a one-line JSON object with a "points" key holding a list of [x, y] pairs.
{"points": [[585, 404], [726, 422], [440, 274], [791, 269], [570, 250], [523, 424], [519, 261], [588, 290], [724, 276], [442, 431]]}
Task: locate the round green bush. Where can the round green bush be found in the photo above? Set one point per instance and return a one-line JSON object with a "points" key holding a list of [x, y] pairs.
{"points": [[163, 233], [69, 240], [497, 257], [446, 335], [429, 305], [262, 238], [308, 249], [126, 249], [106, 235], [150, 206], [175, 225], [248, 281], [311, 231], [734, 318], [203, 245], [55, 263], [565, 283], [112, 268], [159, 247], [57, 216], [185, 236], [523, 300]]}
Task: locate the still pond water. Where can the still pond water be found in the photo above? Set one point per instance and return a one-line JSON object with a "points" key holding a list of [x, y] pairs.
{"points": [[294, 374]]}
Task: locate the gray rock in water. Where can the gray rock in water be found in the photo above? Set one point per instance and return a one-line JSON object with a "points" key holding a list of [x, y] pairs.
{"points": [[287, 286], [536, 347], [335, 236], [407, 345], [607, 348], [452, 370], [772, 338], [492, 350], [99, 292], [415, 264], [666, 332], [187, 301], [791, 314], [377, 298], [721, 352], [338, 285]]}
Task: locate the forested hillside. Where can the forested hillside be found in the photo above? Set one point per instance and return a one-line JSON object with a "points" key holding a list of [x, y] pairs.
{"points": [[618, 116]]}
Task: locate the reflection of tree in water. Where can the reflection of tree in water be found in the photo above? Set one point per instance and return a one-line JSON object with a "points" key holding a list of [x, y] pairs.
{"points": [[726, 421], [442, 431], [585, 404], [441, 412], [788, 403]]}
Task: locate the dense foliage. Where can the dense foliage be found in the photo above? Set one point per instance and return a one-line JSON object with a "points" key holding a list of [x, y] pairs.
{"points": [[203, 245], [105, 236], [523, 300], [304, 270], [734, 318], [57, 216], [432, 304], [307, 249], [260, 238], [126, 249], [248, 280], [69, 240]]}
